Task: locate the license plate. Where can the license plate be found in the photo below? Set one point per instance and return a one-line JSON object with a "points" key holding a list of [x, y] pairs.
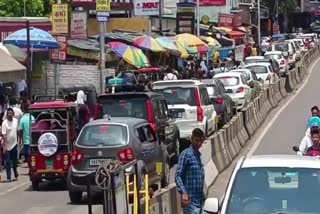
{"points": [[98, 162], [49, 164]]}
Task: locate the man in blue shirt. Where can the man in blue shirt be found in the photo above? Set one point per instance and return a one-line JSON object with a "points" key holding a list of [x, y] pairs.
{"points": [[190, 175]]}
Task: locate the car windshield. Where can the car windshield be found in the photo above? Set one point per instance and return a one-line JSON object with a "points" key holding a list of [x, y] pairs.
{"points": [[211, 90], [177, 95], [103, 135], [258, 69], [250, 61], [281, 47], [229, 81], [273, 56], [125, 107], [275, 190]]}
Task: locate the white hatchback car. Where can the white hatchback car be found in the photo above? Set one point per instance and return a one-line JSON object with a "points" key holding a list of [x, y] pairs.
{"points": [[253, 59], [237, 88], [188, 102], [271, 184], [277, 55], [263, 70]]}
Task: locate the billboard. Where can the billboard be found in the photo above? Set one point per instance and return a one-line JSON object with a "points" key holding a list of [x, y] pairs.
{"points": [[146, 7]]}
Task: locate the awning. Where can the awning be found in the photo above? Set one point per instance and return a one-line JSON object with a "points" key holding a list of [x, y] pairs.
{"points": [[10, 69], [236, 35]]}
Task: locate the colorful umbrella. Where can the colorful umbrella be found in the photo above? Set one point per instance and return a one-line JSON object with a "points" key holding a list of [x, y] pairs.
{"points": [[211, 41], [191, 40], [149, 43], [130, 54], [168, 44], [14, 51], [39, 39]]}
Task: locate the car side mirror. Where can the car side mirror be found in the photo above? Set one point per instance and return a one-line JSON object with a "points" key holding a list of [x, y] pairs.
{"points": [[295, 149], [251, 84], [211, 206]]}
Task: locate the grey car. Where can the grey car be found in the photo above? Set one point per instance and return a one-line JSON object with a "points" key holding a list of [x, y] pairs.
{"points": [[122, 138]]}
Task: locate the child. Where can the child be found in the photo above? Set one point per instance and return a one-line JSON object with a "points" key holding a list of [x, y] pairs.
{"points": [[314, 149]]}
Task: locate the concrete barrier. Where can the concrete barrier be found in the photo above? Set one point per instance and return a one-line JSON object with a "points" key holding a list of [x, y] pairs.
{"points": [[165, 201], [270, 97], [234, 140], [289, 83], [297, 76], [242, 134], [282, 87], [300, 72], [277, 96], [257, 111], [231, 145], [294, 78], [220, 152]]}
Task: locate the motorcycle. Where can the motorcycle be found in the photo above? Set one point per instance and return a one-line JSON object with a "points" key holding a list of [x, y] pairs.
{"points": [[312, 153]]}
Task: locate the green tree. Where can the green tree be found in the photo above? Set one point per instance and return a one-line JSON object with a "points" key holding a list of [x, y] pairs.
{"points": [[285, 6], [15, 8]]}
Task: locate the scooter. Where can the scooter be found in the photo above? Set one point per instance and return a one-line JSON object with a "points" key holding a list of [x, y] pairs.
{"points": [[311, 153], [296, 149]]}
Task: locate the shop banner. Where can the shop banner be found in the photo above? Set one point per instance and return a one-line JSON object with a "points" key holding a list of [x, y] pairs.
{"points": [[212, 2], [146, 7], [79, 25], [225, 20], [60, 55], [60, 19]]}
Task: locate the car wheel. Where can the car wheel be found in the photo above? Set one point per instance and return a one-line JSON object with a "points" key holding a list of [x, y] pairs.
{"points": [[35, 185], [75, 196], [166, 175]]}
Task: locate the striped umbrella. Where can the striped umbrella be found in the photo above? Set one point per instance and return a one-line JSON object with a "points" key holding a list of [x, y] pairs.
{"points": [[168, 44], [130, 54], [149, 43]]}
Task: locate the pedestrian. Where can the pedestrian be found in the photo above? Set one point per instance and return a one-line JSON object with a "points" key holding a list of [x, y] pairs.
{"points": [[314, 111], [170, 75], [82, 110], [10, 143], [254, 50], [24, 133], [190, 175], [17, 111]]}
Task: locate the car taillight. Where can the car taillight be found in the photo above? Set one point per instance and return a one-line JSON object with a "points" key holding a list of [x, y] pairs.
{"points": [[77, 157], [282, 62], [241, 89], [126, 155], [96, 112], [150, 115], [219, 100], [198, 102]]}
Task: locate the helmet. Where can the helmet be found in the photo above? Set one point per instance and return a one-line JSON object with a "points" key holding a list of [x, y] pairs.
{"points": [[313, 153]]}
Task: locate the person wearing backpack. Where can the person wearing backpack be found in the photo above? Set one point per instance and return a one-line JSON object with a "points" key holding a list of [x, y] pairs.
{"points": [[83, 110]]}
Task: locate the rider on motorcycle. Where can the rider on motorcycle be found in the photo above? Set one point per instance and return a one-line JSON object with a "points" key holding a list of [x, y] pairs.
{"points": [[314, 150], [313, 125]]}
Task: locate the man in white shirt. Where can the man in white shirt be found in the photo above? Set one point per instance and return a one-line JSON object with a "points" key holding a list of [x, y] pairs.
{"points": [[170, 76], [20, 87], [10, 143], [17, 111]]}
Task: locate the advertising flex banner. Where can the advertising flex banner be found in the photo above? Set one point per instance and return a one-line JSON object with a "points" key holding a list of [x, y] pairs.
{"points": [[146, 7]]}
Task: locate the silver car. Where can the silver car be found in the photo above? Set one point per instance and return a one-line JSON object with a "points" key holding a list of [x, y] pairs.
{"points": [[122, 138]]}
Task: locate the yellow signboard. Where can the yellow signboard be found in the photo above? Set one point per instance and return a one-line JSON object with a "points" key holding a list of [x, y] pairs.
{"points": [[60, 24], [103, 5]]}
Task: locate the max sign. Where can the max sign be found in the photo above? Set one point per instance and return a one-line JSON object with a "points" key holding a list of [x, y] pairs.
{"points": [[146, 7]]}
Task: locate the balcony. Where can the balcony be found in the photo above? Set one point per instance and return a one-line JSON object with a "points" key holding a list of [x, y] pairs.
{"points": [[115, 4]]}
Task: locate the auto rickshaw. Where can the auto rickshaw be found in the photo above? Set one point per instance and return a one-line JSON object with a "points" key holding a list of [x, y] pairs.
{"points": [[53, 132]]}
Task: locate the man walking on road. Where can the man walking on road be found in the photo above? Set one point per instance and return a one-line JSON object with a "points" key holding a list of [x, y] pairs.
{"points": [[190, 175], [10, 143]]}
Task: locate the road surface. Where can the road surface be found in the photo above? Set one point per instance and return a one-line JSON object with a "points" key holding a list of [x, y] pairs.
{"points": [[285, 126]]}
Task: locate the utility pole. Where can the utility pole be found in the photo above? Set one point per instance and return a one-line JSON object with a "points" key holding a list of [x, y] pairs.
{"points": [[160, 17], [198, 18], [102, 53], [259, 23]]}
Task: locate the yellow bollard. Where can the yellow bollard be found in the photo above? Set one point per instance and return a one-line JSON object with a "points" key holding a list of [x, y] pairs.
{"points": [[146, 186], [135, 196]]}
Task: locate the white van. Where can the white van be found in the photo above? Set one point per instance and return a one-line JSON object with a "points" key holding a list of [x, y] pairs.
{"points": [[188, 102]]}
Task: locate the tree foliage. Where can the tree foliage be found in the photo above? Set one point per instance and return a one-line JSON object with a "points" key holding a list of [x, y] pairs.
{"points": [[15, 8], [285, 6]]}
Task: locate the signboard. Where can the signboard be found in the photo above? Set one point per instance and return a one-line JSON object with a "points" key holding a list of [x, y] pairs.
{"points": [[60, 55], [103, 5], [237, 20], [185, 18], [79, 25], [211, 2], [60, 22], [225, 20], [146, 7]]}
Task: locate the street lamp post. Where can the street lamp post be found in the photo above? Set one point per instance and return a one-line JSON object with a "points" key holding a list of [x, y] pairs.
{"points": [[198, 18], [259, 23]]}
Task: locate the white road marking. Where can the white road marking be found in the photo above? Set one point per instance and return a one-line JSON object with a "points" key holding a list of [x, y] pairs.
{"points": [[269, 125], [14, 188]]}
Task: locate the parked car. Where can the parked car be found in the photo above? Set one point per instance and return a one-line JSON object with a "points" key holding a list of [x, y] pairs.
{"points": [[221, 101], [278, 56], [252, 81], [300, 42], [188, 102], [296, 48], [270, 184], [237, 88], [263, 71], [145, 105], [124, 139], [252, 59], [275, 67]]}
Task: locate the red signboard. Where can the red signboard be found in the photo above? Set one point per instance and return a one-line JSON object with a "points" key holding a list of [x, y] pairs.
{"points": [[225, 20], [237, 20], [60, 54], [211, 2], [8, 27]]}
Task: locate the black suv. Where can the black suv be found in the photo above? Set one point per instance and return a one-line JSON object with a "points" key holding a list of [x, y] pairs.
{"points": [[146, 105]]}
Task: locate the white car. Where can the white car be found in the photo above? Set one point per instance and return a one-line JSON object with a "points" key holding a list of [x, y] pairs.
{"points": [[237, 88], [300, 42], [271, 184], [263, 70], [188, 102], [296, 48], [252, 59], [288, 51], [277, 55]]}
